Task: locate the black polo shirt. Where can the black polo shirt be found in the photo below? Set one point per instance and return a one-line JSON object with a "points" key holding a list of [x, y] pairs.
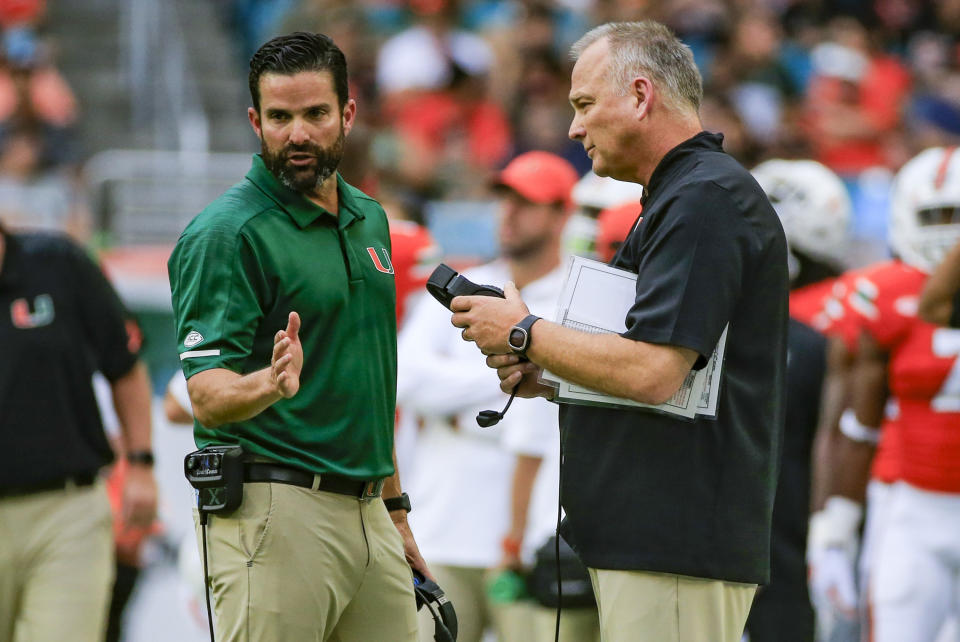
{"points": [[60, 321], [650, 491]]}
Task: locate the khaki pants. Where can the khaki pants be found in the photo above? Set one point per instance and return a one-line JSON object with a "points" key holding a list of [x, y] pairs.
{"points": [[576, 625], [297, 564], [56, 565], [637, 606]]}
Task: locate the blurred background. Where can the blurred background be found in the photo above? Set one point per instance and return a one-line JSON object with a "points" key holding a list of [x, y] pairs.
{"points": [[121, 119]]}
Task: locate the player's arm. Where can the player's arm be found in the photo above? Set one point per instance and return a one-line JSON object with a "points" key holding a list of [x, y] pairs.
{"points": [[835, 398], [939, 296], [221, 396], [524, 475]]}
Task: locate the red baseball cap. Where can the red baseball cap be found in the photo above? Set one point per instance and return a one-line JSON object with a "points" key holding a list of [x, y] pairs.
{"points": [[613, 226], [540, 177]]}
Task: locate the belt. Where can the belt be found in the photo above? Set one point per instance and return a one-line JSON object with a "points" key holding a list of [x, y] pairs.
{"points": [[74, 481], [361, 489]]}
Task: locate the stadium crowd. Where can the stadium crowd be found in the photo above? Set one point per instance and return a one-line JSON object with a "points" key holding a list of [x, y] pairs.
{"points": [[451, 92]]}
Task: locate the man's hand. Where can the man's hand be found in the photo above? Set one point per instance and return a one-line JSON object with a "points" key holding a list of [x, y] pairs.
{"points": [[513, 371], [410, 549], [287, 360], [487, 320], [139, 496]]}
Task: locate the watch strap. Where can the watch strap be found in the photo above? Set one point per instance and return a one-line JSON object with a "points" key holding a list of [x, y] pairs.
{"points": [[396, 503], [142, 457], [524, 325]]}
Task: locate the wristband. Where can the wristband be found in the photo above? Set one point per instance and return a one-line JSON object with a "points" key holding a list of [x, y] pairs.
{"points": [[511, 545], [852, 428]]}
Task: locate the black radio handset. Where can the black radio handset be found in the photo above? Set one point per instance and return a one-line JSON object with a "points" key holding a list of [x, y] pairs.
{"points": [[445, 284]]}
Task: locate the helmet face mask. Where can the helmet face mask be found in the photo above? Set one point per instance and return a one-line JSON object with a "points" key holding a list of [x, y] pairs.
{"points": [[925, 208], [813, 205]]}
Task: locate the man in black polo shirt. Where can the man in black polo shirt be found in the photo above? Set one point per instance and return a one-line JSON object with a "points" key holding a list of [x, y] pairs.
{"points": [[671, 516], [60, 321]]}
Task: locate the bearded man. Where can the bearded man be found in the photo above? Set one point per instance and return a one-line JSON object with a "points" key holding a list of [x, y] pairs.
{"points": [[283, 296]]}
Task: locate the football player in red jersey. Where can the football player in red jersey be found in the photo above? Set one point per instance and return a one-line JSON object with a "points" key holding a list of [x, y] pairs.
{"points": [[911, 368], [814, 208]]}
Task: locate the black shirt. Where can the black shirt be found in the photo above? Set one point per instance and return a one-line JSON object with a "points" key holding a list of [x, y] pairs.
{"points": [[650, 491], [60, 321]]}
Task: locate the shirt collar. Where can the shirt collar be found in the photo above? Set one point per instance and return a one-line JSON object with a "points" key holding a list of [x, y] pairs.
{"points": [[301, 209], [672, 160]]}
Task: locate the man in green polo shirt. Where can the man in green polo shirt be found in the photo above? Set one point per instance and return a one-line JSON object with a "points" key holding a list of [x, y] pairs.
{"points": [[283, 296]]}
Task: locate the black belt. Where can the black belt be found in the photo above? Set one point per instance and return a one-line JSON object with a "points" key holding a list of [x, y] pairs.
{"points": [[84, 479], [361, 489]]}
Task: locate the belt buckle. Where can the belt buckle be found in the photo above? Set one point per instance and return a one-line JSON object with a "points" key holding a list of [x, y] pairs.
{"points": [[372, 489]]}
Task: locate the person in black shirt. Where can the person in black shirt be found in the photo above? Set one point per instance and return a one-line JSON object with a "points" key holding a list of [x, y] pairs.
{"points": [[671, 516], [60, 321]]}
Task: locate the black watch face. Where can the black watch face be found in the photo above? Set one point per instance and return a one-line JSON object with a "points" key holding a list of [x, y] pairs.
{"points": [[518, 339]]}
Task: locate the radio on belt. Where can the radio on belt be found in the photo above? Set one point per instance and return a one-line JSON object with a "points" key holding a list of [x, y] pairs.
{"points": [[216, 472]]}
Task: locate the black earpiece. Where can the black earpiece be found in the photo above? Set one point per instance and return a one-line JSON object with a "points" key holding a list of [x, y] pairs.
{"points": [[488, 418]]}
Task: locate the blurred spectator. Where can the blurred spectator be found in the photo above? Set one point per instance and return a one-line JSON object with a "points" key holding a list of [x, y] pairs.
{"points": [[540, 110], [33, 93], [15, 13], [856, 101], [31, 197], [750, 74], [443, 134]]}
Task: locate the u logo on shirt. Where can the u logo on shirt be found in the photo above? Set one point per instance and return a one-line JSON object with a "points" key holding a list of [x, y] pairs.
{"points": [[42, 312], [386, 266]]}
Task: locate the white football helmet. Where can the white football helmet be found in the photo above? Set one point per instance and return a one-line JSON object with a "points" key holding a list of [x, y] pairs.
{"points": [[925, 208], [594, 193], [813, 205]]}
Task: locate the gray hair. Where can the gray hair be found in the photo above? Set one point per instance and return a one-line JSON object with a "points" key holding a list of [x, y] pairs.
{"points": [[650, 48]]}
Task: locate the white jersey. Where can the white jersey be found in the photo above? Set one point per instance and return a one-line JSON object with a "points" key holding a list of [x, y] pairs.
{"points": [[460, 476]]}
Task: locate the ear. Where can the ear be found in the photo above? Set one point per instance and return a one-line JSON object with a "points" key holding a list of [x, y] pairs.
{"points": [[641, 88], [254, 118], [349, 115]]}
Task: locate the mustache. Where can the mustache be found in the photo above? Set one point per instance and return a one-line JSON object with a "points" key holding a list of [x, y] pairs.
{"points": [[304, 148]]}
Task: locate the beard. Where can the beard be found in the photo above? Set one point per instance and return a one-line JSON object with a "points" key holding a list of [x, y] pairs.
{"points": [[307, 179], [525, 248]]}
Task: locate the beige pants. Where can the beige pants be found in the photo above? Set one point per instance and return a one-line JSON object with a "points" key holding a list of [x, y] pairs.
{"points": [[296, 564], [56, 565], [637, 606]]}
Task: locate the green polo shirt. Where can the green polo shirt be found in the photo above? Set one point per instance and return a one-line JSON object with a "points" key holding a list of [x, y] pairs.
{"points": [[260, 251]]}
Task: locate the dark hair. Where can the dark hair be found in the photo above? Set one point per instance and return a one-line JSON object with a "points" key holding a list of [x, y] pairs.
{"points": [[296, 52]]}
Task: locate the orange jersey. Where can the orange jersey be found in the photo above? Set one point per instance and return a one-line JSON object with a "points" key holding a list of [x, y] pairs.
{"points": [[923, 376], [414, 255]]}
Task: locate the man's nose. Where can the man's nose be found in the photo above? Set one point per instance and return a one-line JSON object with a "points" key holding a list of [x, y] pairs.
{"points": [[576, 131], [298, 132]]}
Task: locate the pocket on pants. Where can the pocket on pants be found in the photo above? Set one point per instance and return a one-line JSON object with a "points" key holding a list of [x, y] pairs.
{"points": [[254, 517]]}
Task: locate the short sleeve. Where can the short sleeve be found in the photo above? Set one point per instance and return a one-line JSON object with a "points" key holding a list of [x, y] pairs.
{"points": [[690, 271], [101, 315], [880, 299], [215, 278]]}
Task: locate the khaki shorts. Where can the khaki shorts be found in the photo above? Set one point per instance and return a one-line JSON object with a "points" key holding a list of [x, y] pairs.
{"points": [[296, 564]]}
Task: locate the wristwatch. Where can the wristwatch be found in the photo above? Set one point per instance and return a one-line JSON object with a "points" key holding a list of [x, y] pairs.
{"points": [[397, 503], [143, 457], [519, 337]]}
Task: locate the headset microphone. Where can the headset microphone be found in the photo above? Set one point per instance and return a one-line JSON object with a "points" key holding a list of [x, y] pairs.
{"points": [[488, 418]]}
